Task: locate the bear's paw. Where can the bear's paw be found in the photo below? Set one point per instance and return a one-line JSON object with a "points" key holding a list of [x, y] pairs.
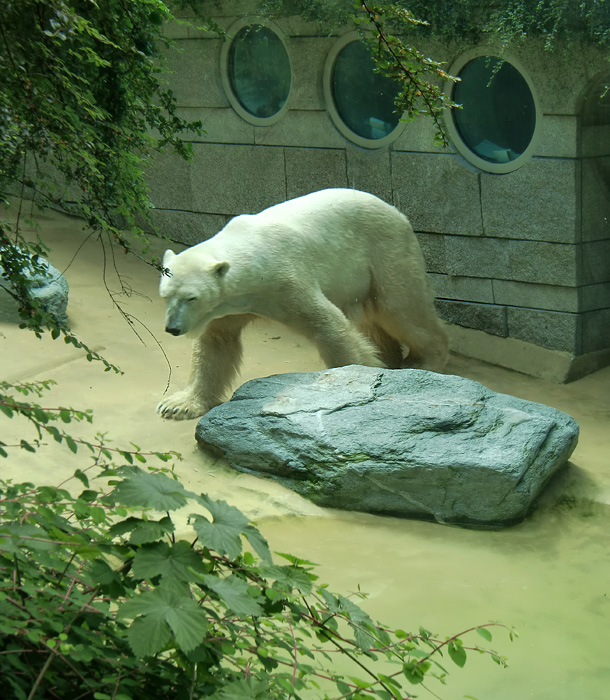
{"points": [[182, 406]]}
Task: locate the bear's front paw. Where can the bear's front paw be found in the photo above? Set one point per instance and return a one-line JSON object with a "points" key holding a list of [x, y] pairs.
{"points": [[182, 406]]}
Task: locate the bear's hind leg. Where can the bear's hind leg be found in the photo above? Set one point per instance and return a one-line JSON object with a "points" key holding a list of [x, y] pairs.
{"points": [[423, 334], [390, 350], [215, 362], [338, 340]]}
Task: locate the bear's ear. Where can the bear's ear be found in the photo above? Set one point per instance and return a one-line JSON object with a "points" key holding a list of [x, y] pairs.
{"points": [[220, 269], [168, 256]]}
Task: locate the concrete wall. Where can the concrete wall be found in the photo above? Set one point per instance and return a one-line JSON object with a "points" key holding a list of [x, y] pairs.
{"points": [[522, 256]]}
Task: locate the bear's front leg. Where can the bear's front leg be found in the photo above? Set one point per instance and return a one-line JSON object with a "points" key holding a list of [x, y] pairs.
{"points": [[215, 362]]}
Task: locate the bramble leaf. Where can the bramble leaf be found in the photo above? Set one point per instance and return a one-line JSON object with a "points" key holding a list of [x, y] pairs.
{"points": [[151, 530], [234, 593], [258, 542], [223, 533], [161, 559], [148, 635], [185, 618], [243, 689], [150, 490], [289, 576]]}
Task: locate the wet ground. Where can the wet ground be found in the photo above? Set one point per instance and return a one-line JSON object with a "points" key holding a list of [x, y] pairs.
{"points": [[548, 577]]}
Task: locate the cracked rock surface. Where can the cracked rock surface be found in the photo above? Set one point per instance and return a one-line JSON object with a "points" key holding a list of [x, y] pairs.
{"points": [[406, 443]]}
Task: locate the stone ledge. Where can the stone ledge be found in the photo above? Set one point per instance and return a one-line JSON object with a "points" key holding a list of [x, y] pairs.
{"points": [[554, 366]]}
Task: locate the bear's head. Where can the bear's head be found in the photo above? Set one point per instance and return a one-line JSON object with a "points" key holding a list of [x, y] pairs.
{"points": [[191, 284]]}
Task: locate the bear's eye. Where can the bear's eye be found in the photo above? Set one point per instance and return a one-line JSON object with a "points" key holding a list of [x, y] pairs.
{"points": [[192, 299]]}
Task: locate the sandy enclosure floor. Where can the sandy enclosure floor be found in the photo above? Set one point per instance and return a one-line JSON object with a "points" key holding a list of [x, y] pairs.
{"points": [[549, 577]]}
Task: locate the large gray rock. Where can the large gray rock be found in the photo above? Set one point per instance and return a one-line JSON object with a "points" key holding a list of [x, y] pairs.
{"points": [[402, 442], [48, 285]]}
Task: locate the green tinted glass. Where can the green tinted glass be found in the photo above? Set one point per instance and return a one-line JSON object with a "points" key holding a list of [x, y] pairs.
{"points": [[364, 99], [259, 71], [498, 114]]}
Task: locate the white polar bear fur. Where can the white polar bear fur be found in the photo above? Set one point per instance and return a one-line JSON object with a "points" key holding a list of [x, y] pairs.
{"points": [[340, 266]]}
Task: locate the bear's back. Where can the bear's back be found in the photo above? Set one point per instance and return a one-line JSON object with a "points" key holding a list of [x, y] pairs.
{"points": [[331, 225]]}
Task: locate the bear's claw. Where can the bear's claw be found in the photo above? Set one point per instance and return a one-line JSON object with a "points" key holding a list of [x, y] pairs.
{"points": [[181, 407]]}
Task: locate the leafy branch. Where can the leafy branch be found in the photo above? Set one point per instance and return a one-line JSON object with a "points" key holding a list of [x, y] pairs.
{"points": [[82, 109], [417, 74], [42, 420]]}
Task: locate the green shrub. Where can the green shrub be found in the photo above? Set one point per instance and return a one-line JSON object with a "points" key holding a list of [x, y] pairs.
{"points": [[101, 598]]}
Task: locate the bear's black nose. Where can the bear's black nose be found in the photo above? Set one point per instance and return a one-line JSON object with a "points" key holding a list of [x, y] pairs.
{"points": [[173, 331]]}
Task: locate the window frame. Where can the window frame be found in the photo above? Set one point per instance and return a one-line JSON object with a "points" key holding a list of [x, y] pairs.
{"points": [[226, 79], [453, 130], [340, 125]]}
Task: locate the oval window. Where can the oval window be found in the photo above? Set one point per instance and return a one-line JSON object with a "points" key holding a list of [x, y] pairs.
{"points": [[360, 101], [495, 127], [257, 73]]}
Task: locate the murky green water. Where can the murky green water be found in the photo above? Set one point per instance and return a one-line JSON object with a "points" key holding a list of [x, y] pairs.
{"points": [[549, 578]]}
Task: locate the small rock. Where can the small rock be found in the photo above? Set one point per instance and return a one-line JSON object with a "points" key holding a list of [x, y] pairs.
{"points": [[406, 443], [49, 287]]}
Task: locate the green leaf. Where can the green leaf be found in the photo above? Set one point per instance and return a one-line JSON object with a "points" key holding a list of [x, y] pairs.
{"points": [[359, 682], [258, 542], [222, 512], [485, 633], [98, 515], [295, 560], [365, 631], [289, 577], [151, 530], [342, 687], [6, 410], [188, 623], [150, 490], [161, 559], [57, 436], [500, 660], [223, 534], [393, 682], [148, 635], [244, 689], [185, 618], [384, 695], [234, 592], [82, 477], [415, 671], [103, 574], [48, 494], [123, 526], [457, 653]]}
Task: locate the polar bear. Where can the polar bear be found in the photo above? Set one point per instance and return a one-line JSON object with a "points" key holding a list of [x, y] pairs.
{"points": [[340, 266]]}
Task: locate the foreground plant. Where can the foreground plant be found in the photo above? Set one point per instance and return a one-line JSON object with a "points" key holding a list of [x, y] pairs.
{"points": [[102, 597]]}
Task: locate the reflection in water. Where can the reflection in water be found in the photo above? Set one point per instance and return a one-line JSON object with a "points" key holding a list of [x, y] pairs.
{"points": [[549, 577]]}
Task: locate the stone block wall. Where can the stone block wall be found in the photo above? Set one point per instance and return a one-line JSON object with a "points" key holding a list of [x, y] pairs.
{"points": [[523, 256]]}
